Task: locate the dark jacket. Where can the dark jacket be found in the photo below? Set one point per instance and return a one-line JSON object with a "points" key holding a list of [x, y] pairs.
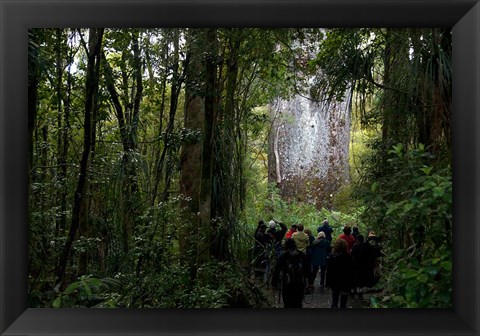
{"points": [[262, 239], [292, 294], [327, 229], [279, 234], [320, 251], [340, 272], [363, 268], [371, 254]]}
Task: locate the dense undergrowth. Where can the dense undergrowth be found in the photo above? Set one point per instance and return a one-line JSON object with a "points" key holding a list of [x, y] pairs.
{"points": [[409, 203]]}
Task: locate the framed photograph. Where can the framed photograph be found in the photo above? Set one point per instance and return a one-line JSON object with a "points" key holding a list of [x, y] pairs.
{"points": [[21, 21]]}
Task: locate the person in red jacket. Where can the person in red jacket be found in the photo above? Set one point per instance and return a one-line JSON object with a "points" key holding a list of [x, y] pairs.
{"points": [[347, 236], [290, 232]]}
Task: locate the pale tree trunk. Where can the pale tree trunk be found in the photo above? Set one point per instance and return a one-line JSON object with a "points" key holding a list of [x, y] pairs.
{"points": [[196, 156]]}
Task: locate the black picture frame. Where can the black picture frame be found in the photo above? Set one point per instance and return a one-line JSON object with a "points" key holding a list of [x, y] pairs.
{"points": [[16, 16]]}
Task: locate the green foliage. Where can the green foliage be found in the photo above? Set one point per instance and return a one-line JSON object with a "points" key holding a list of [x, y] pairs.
{"points": [[295, 212], [292, 212], [88, 291], [229, 285], [217, 285], [83, 244], [418, 284], [345, 203], [345, 56], [410, 205]]}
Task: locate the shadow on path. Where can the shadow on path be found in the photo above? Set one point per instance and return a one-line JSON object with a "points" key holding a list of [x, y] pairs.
{"points": [[320, 298]]}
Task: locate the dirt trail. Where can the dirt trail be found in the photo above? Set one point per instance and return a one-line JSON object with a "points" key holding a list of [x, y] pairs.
{"points": [[320, 298]]}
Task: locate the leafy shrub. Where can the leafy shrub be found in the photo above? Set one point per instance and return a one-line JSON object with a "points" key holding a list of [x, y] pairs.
{"points": [[410, 206], [87, 291], [418, 284]]}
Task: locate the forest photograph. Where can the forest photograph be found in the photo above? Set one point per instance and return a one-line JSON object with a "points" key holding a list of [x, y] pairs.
{"points": [[240, 168]]}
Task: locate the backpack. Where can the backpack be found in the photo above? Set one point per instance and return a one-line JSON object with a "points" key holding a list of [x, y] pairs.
{"points": [[294, 272]]}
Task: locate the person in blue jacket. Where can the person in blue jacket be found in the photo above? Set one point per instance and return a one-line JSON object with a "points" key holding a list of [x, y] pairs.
{"points": [[320, 250], [327, 229]]}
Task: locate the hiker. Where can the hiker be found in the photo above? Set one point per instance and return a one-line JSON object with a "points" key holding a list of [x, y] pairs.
{"points": [[262, 239], [373, 253], [339, 273], [309, 233], [259, 225], [320, 251], [346, 235], [293, 266], [258, 236], [360, 265], [290, 232], [355, 232], [301, 239], [327, 229], [277, 235], [309, 254], [311, 239]]}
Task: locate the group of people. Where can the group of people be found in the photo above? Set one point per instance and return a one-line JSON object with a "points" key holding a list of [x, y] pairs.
{"points": [[346, 266]]}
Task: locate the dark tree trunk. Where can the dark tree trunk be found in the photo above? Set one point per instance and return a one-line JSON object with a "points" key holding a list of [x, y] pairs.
{"points": [[33, 81], [137, 65], [169, 150], [65, 142], [205, 206], [61, 159], [225, 200], [128, 119], [79, 212], [442, 91]]}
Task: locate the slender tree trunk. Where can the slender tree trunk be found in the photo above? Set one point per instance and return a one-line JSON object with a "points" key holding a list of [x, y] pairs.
{"points": [[79, 213], [126, 219], [137, 64], [131, 188], [65, 145], [157, 168], [205, 204], [225, 201], [33, 81], [387, 59], [168, 151], [128, 119], [441, 93], [61, 160], [84, 227]]}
